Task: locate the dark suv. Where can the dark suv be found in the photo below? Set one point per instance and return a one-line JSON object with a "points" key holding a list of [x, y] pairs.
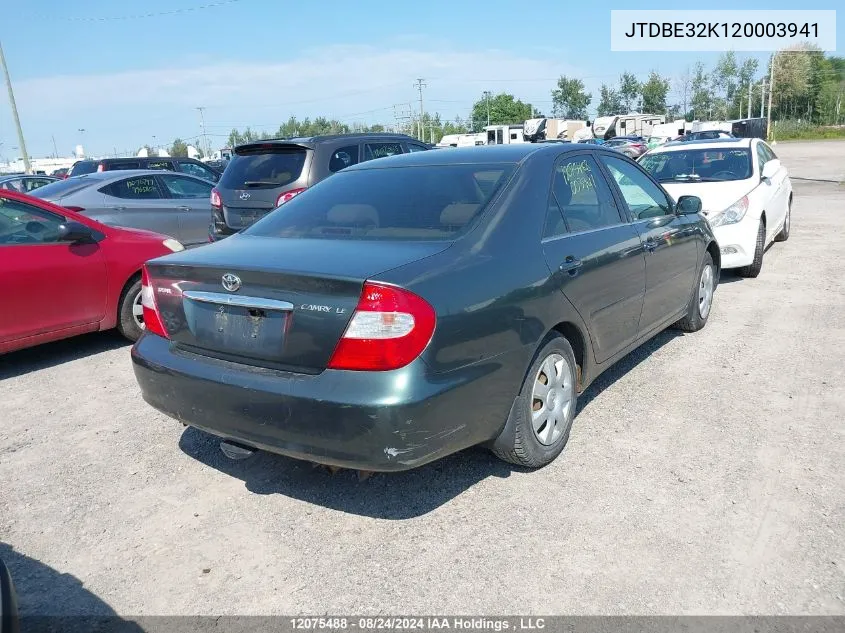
{"points": [[188, 166], [263, 175]]}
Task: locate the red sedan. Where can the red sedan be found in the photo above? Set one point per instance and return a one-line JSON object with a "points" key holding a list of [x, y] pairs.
{"points": [[63, 274]]}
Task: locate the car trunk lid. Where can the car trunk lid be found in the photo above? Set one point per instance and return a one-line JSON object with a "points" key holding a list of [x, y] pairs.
{"points": [[277, 303]]}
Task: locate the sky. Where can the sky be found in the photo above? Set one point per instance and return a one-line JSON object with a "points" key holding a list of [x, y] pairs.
{"points": [[127, 80]]}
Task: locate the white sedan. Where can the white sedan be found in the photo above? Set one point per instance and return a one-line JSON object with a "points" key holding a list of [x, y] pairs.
{"points": [[744, 189]]}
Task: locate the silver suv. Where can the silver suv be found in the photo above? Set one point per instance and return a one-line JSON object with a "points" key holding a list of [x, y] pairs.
{"points": [[265, 174]]}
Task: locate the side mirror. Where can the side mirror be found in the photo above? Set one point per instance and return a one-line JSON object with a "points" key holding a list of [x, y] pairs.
{"points": [[770, 169], [9, 620], [75, 232], [688, 205]]}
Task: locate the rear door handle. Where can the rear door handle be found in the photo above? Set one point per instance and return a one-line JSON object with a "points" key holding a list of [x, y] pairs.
{"points": [[184, 208], [118, 208], [571, 265]]}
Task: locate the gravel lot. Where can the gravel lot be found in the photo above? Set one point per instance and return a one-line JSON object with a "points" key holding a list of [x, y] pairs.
{"points": [[705, 475]]}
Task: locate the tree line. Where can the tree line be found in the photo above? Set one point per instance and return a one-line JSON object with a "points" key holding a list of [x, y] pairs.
{"points": [[809, 86]]}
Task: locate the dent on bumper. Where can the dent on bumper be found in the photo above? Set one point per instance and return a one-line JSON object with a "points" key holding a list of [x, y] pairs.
{"points": [[381, 421]]}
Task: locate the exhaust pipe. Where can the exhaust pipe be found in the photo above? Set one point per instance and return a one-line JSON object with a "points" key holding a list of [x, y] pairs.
{"points": [[236, 451]]}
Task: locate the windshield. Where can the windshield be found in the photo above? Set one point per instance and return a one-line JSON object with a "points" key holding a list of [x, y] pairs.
{"points": [[699, 165], [432, 202], [61, 188], [264, 170]]}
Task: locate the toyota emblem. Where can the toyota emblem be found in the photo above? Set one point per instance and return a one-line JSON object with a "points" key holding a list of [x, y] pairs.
{"points": [[231, 282], [244, 195]]}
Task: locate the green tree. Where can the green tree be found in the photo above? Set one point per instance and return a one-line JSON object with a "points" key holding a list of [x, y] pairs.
{"points": [[701, 101], [504, 109], [569, 99], [629, 91], [179, 149], [723, 84], [654, 93], [239, 138], [609, 101]]}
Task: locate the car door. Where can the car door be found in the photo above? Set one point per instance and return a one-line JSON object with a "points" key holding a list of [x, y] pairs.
{"points": [[48, 285], [776, 198], [197, 170], [138, 202], [191, 200], [595, 254], [669, 240]]}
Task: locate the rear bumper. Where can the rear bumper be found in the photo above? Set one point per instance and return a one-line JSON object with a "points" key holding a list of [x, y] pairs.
{"points": [[380, 421]]}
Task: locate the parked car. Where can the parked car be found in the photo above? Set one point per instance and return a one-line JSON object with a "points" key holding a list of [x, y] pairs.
{"points": [[24, 183], [173, 204], [592, 141], [707, 135], [263, 175], [65, 274], [60, 173], [632, 147], [657, 141], [413, 306], [182, 165], [745, 191], [217, 165]]}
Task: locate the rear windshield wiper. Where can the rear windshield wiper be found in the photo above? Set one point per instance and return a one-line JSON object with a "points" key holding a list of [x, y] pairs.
{"points": [[260, 183]]}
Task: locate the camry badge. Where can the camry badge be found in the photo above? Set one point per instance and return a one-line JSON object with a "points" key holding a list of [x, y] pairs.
{"points": [[231, 282]]}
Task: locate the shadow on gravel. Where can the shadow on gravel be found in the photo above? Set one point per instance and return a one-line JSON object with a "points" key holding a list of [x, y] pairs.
{"points": [[49, 600], [52, 354], [392, 496]]}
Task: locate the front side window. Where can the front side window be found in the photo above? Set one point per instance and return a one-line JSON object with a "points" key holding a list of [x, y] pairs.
{"points": [[182, 187], [21, 223], [381, 150], [643, 197], [343, 157], [430, 202], [413, 147], [140, 188], [580, 193], [762, 159]]}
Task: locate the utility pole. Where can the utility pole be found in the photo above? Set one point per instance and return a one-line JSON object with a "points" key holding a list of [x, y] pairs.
{"points": [[26, 166], [750, 84], [487, 97], [762, 97], [769, 135], [206, 148], [419, 86], [55, 151]]}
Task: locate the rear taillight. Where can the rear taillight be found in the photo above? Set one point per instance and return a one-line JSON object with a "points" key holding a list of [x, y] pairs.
{"points": [[288, 195], [389, 328], [76, 209], [152, 318], [215, 198]]}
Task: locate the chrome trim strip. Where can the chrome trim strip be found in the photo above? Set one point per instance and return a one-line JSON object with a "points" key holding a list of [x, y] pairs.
{"points": [[259, 303]]}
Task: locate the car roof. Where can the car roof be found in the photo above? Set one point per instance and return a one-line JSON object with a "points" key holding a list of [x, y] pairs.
{"points": [[705, 143], [478, 155], [116, 174], [311, 141]]}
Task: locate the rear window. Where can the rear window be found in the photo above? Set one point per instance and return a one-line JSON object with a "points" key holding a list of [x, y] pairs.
{"points": [[432, 202], [83, 167], [264, 170], [124, 164], [61, 188]]}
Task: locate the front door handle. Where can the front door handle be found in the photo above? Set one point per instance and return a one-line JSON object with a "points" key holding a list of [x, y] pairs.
{"points": [[118, 208], [184, 208], [571, 265]]}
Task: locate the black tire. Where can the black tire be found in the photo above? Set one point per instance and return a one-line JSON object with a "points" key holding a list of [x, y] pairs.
{"points": [[754, 269], [518, 443], [126, 323], [694, 319], [784, 232]]}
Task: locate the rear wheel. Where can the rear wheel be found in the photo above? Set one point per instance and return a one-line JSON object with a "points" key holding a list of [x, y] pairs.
{"points": [[130, 316], [784, 232], [754, 269], [540, 420], [701, 301]]}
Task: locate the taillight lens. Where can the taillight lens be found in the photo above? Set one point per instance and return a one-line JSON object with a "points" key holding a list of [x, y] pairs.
{"points": [[215, 198], [390, 328], [152, 318], [288, 195]]}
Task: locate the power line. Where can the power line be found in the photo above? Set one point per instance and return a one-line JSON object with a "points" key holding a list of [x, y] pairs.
{"points": [[138, 16]]}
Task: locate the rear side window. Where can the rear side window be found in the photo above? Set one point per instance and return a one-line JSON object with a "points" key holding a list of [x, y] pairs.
{"points": [[413, 147], [123, 164], [83, 167], [183, 187], [159, 164], [381, 150], [141, 188], [264, 169], [432, 202], [343, 157]]}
